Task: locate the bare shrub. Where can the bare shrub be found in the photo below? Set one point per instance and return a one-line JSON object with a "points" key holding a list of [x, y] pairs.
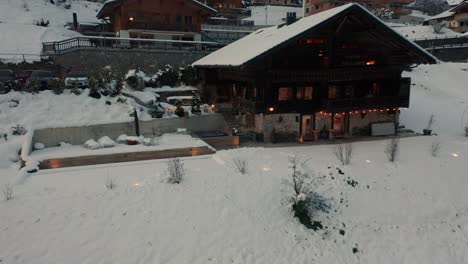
{"points": [[241, 165], [7, 192], [305, 202], [392, 149], [344, 153], [110, 183], [435, 148], [175, 171]]}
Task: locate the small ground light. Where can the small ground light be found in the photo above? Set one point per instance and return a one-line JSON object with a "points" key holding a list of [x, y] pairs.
{"points": [[455, 155], [136, 184], [368, 161], [271, 109], [213, 106], [266, 169]]}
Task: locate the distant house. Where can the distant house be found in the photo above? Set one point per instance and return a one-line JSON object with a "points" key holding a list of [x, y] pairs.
{"points": [[456, 17], [156, 19], [276, 2], [396, 6], [333, 74]]}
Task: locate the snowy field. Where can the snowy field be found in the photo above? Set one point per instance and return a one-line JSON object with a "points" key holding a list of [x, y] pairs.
{"points": [[19, 35], [272, 15], [412, 211]]}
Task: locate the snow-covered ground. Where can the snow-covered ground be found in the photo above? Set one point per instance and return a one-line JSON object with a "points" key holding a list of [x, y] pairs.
{"points": [[412, 211], [272, 15], [423, 32], [19, 35]]}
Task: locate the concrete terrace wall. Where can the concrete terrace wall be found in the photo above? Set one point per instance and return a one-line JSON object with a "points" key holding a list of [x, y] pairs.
{"points": [[51, 137], [90, 60]]}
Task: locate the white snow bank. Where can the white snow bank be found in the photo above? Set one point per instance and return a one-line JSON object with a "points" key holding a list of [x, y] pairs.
{"points": [[423, 32], [272, 15]]}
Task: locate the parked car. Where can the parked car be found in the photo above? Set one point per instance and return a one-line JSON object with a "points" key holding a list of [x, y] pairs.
{"points": [[77, 79], [43, 78], [23, 76], [7, 79]]}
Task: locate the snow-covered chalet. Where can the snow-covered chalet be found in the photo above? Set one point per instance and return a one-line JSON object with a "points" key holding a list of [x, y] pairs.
{"points": [[333, 74]]}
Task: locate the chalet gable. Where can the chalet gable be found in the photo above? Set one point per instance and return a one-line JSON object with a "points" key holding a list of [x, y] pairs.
{"points": [[269, 40], [109, 6]]}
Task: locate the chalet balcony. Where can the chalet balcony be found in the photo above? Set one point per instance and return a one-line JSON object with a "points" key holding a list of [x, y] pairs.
{"points": [[333, 105], [142, 25], [348, 74]]}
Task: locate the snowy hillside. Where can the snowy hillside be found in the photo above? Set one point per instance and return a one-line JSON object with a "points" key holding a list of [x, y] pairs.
{"points": [[18, 33], [272, 15]]}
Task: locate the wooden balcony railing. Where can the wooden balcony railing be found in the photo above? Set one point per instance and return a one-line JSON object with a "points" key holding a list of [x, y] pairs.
{"points": [[365, 103], [162, 27], [348, 74]]}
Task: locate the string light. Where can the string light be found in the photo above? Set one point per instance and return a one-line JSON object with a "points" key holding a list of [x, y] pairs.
{"points": [[359, 112]]}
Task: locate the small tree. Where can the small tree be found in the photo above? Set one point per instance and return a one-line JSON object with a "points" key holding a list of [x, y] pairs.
{"points": [[241, 165], [304, 201], [156, 110], [344, 153], [188, 76], [392, 149], [42, 23], [175, 171], [7, 192], [168, 77], [196, 105], [110, 183], [435, 148]]}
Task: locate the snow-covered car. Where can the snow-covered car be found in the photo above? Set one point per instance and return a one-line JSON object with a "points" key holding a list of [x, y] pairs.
{"points": [[7, 78], [77, 79], [44, 78]]}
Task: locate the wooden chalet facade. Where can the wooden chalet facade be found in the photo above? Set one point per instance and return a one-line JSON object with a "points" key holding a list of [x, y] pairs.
{"points": [[398, 7], [156, 19], [328, 75]]}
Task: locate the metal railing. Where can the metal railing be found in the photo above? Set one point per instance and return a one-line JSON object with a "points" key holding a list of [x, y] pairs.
{"points": [[21, 57], [443, 42], [86, 42]]}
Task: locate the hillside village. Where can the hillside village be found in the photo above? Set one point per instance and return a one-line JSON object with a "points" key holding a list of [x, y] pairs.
{"points": [[229, 131]]}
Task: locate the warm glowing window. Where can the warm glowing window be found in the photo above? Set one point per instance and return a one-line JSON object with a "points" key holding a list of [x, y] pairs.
{"points": [[332, 92], [304, 93], [285, 93]]}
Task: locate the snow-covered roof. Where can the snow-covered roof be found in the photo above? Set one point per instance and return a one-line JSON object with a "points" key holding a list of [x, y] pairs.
{"points": [[262, 40], [447, 13]]}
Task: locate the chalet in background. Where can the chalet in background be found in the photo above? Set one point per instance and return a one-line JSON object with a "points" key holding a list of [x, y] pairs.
{"points": [[456, 18], [333, 74], [396, 6], [156, 19]]}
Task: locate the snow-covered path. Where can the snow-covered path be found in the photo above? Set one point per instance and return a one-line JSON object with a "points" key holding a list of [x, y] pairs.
{"points": [[414, 211]]}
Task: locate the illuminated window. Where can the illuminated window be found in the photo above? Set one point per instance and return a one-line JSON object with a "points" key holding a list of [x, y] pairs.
{"points": [[304, 93], [285, 93], [332, 92]]}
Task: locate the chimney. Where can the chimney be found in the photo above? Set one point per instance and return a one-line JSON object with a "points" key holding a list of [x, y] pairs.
{"points": [[75, 21], [290, 18]]}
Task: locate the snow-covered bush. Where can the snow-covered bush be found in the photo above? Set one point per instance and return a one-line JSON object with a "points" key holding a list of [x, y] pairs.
{"points": [[122, 139], [42, 23], [180, 112], [106, 142], [304, 201], [7, 192], [18, 130], [392, 149], [188, 76], [135, 79], [435, 148], [167, 77], [156, 110], [92, 144], [241, 165], [175, 171], [343, 153], [383, 13], [196, 105]]}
